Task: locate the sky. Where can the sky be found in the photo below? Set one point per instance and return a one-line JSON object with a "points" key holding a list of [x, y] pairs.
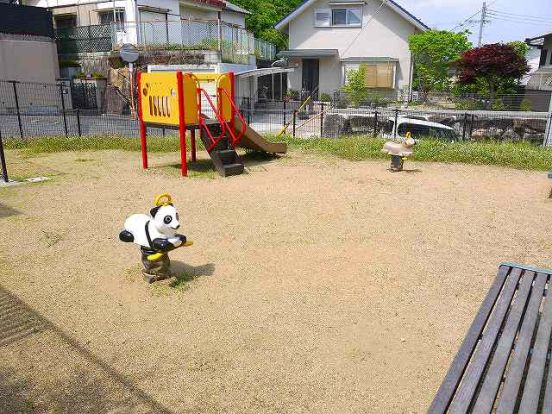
{"points": [[510, 19]]}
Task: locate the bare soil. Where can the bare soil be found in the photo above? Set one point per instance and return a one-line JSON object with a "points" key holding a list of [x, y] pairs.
{"points": [[314, 284]]}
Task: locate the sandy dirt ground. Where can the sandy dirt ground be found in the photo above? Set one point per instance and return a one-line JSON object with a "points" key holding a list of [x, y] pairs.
{"points": [[314, 285]]}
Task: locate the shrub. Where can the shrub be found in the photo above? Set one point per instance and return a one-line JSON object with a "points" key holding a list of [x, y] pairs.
{"points": [[325, 97], [292, 94], [526, 105], [498, 105], [356, 86]]}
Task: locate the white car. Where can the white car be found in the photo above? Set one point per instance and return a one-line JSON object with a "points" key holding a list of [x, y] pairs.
{"points": [[418, 129]]}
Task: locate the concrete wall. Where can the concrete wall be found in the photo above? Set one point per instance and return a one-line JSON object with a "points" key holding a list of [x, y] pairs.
{"points": [[385, 35], [28, 59]]}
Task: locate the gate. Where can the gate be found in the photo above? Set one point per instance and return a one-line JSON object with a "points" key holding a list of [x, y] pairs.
{"points": [[83, 95]]}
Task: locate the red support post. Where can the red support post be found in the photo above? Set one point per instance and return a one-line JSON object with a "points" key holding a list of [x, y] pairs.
{"points": [[233, 98], [182, 123], [143, 128], [193, 139]]}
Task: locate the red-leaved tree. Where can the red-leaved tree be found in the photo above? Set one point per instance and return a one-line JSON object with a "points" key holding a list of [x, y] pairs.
{"points": [[493, 65]]}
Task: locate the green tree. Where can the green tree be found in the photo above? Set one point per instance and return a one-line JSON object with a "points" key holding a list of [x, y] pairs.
{"points": [[520, 47], [492, 68], [356, 89], [434, 52], [264, 15]]}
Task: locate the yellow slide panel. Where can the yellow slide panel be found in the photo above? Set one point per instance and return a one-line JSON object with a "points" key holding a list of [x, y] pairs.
{"points": [[225, 108], [159, 95], [189, 86]]}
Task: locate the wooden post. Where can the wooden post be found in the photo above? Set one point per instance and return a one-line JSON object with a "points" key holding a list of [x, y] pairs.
{"points": [[182, 123]]}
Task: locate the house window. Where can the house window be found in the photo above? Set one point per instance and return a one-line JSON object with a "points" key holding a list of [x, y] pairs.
{"points": [[380, 75], [108, 17], [350, 17], [65, 21]]}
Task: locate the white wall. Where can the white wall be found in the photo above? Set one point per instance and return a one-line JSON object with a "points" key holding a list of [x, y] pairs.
{"points": [[237, 19], [385, 35], [28, 60], [330, 77]]}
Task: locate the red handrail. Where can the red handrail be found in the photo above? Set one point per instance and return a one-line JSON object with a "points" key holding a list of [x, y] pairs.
{"points": [[202, 124], [235, 139]]}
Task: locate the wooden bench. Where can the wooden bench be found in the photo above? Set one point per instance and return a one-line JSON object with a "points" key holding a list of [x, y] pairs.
{"points": [[503, 363]]}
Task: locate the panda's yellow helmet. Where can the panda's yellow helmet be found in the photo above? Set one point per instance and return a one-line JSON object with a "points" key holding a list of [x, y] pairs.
{"points": [[163, 200]]}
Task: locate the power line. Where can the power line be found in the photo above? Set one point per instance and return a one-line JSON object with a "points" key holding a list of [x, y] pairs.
{"points": [[513, 20], [520, 15], [469, 19]]}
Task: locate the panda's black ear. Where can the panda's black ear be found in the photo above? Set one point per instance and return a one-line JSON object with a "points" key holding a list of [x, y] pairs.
{"points": [[154, 211]]}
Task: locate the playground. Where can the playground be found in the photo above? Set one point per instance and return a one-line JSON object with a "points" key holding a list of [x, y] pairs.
{"points": [[314, 284]]}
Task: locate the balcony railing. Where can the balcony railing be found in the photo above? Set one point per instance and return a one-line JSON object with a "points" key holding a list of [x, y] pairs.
{"points": [[234, 43]]}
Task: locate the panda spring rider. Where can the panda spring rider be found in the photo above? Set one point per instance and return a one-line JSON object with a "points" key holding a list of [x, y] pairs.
{"points": [[156, 235]]}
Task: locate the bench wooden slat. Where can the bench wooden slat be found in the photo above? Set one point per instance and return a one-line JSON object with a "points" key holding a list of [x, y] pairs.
{"points": [[447, 389], [465, 393], [489, 389], [535, 375], [510, 391], [487, 395]]}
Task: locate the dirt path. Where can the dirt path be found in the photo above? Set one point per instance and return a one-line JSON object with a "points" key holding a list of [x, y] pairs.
{"points": [[314, 285]]}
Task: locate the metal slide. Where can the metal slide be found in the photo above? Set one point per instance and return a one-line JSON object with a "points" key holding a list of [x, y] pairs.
{"points": [[252, 140]]}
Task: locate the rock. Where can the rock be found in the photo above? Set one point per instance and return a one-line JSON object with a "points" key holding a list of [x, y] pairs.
{"points": [[530, 125], [511, 135], [488, 123], [534, 137], [487, 133], [479, 134], [458, 128], [364, 123], [333, 125]]}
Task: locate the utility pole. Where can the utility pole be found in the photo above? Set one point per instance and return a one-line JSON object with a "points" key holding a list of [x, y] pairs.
{"points": [[482, 23]]}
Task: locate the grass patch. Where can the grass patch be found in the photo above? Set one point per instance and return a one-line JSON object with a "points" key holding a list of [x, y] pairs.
{"points": [[94, 143], [520, 155]]}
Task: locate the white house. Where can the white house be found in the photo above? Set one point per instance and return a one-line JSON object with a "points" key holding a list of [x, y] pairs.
{"points": [[539, 86], [329, 37], [143, 20]]}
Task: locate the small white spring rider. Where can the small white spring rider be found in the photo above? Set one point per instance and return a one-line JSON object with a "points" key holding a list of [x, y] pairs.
{"points": [[399, 151]]}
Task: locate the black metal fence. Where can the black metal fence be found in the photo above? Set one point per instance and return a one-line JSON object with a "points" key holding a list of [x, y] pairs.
{"points": [[321, 119], [30, 110], [71, 109]]}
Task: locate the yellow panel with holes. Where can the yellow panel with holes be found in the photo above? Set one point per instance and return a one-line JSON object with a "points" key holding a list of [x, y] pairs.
{"points": [[159, 96]]}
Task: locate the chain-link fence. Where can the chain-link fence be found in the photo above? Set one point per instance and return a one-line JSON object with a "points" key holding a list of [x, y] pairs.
{"points": [[234, 43], [84, 39]]}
